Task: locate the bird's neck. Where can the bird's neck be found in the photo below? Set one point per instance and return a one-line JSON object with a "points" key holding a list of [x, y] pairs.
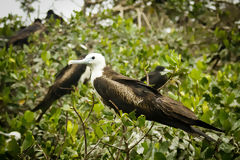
{"points": [[97, 71]]}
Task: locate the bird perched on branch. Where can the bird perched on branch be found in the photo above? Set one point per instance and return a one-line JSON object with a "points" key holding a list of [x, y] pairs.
{"points": [[51, 13], [123, 93], [21, 37], [156, 78], [68, 77]]}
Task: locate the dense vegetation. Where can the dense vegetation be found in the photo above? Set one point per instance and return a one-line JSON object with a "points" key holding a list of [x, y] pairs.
{"points": [[202, 53]]}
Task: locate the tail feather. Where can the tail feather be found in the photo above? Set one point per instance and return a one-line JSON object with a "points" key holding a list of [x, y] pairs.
{"points": [[205, 125], [200, 133], [44, 105]]}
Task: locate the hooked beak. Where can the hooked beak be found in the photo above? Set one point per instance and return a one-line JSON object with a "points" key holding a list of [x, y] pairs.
{"points": [[82, 61]]}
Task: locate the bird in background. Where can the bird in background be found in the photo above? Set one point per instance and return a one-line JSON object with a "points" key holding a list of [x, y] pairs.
{"points": [[123, 93], [157, 78], [51, 14], [64, 83], [21, 37]]}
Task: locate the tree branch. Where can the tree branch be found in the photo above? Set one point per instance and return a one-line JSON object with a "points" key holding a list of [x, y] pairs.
{"points": [[93, 148], [126, 143], [44, 154], [142, 137], [90, 110], [112, 146], [118, 154], [146, 20], [65, 135], [170, 78], [84, 132]]}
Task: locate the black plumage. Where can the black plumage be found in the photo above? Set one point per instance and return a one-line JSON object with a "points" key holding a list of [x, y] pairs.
{"points": [[156, 78], [123, 93], [21, 37], [51, 14], [68, 77]]}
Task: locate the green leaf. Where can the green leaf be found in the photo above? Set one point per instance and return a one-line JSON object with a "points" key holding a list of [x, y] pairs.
{"points": [[164, 146], [173, 96], [13, 147], [126, 121], [69, 126], [99, 132], [66, 107], [215, 90], [223, 116], [226, 147], [75, 129], [141, 121], [159, 156], [98, 108], [132, 115], [195, 74], [28, 141], [236, 125], [205, 107], [29, 116], [230, 98], [45, 55]]}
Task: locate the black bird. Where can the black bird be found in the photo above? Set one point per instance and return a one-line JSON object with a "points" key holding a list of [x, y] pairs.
{"points": [[156, 78], [68, 77], [51, 13], [21, 37], [123, 93]]}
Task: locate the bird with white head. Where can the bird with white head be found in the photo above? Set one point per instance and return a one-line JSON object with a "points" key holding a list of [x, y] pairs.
{"points": [[123, 93]]}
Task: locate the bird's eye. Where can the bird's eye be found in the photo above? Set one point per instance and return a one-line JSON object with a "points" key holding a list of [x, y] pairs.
{"points": [[93, 57]]}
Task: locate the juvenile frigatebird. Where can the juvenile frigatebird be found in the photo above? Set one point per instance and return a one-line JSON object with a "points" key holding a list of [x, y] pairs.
{"points": [[123, 93], [156, 78], [68, 77], [21, 37]]}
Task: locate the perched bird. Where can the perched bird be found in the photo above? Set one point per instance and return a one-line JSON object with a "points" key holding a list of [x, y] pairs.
{"points": [[21, 37], [123, 93], [51, 13], [68, 77], [156, 78]]}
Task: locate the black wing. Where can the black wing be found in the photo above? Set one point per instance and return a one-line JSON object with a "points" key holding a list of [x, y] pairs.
{"points": [[61, 72]]}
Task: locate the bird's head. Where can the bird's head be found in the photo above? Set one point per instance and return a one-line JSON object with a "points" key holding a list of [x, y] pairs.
{"points": [[37, 20], [50, 12], [159, 68], [92, 60]]}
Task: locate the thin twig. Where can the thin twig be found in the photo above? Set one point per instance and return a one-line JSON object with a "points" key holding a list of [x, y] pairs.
{"points": [[91, 109], [89, 3], [126, 143], [84, 132], [93, 147], [119, 7], [115, 106], [139, 18], [65, 135], [44, 154], [170, 78], [110, 153], [142, 137], [147, 77], [147, 21], [118, 154], [112, 146]]}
